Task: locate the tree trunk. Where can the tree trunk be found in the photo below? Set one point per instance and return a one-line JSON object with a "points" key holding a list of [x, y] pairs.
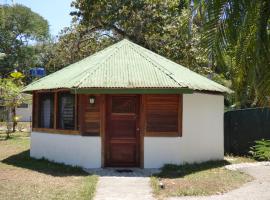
{"points": [[7, 123], [7, 135], [14, 119]]}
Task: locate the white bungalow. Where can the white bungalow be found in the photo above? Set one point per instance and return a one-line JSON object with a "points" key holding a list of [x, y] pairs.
{"points": [[126, 106]]}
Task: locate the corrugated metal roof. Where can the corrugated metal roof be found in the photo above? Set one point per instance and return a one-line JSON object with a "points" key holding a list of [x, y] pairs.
{"points": [[125, 65]]}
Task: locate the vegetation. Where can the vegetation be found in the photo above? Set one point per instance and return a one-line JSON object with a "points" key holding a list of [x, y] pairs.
{"points": [[74, 43], [197, 179], [23, 177], [22, 33], [163, 27], [11, 97], [237, 33], [261, 150]]}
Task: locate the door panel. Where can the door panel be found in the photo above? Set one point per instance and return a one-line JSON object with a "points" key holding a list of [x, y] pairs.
{"points": [[122, 128], [123, 154], [122, 131]]}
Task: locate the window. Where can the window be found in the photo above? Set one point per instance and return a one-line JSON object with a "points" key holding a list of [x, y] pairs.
{"points": [[46, 110], [55, 110], [66, 111], [23, 105], [163, 115], [123, 105]]}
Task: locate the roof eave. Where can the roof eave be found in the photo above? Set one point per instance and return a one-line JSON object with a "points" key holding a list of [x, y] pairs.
{"points": [[132, 90]]}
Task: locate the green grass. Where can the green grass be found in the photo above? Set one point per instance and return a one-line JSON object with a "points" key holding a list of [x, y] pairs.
{"points": [[20, 125], [197, 179], [22, 177]]}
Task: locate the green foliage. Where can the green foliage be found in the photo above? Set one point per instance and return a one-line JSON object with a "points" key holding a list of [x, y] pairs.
{"points": [[20, 30], [236, 34], [11, 97], [74, 44], [261, 150], [161, 26]]}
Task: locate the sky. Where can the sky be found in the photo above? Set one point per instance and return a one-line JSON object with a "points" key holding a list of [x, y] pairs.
{"points": [[55, 11]]}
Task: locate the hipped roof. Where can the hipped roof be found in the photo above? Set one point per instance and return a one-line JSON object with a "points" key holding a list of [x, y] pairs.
{"points": [[125, 65]]}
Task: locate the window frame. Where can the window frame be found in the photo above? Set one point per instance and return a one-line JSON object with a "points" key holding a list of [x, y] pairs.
{"points": [[59, 94], [41, 98], [55, 129]]}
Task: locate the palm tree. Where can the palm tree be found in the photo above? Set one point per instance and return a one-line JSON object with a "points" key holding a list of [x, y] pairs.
{"points": [[240, 30]]}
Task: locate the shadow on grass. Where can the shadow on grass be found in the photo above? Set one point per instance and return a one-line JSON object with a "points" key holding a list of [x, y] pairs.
{"points": [[24, 160], [12, 136], [178, 171]]}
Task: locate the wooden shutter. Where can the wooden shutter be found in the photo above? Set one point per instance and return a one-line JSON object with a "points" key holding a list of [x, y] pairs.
{"points": [[90, 116], [163, 115]]}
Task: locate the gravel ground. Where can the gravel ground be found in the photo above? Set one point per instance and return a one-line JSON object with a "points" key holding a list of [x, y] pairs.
{"points": [[259, 189], [245, 165]]}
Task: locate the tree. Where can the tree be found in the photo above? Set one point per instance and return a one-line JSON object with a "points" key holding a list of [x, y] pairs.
{"points": [[11, 96], [161, 26], [74, 43], [237, 33], [20, 30]]}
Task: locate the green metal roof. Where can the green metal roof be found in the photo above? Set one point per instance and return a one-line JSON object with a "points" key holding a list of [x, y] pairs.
{"points": [[125, 65]]}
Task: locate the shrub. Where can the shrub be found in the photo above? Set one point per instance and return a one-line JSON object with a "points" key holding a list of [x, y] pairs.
{"points": [[261, 150]]}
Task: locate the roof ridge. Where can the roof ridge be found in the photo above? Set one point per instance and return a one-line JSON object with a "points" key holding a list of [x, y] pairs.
{"points": [[118, 46], [156, 65], [215, 84]]}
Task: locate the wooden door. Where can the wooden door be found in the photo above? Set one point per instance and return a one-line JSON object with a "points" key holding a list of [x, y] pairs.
{"points": [[122, 131]]}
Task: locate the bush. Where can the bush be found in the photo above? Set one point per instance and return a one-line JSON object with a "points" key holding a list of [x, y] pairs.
{"points": [[261, 150]]}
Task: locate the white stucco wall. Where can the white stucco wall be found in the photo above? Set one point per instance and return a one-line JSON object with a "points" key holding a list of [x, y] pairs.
{"points": [[25, 114], [74, 150], [202, 137]]}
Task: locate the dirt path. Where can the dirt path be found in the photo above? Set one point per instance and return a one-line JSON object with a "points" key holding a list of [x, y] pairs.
{"points": [[259, 189]]}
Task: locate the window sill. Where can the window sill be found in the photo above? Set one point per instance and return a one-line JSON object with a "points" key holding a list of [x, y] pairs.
{"points": [[58, 131]]}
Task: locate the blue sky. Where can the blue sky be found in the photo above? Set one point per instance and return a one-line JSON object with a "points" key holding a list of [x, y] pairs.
{"points": [[55, 11]]}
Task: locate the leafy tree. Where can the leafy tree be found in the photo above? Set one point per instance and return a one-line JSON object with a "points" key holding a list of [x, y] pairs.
{"points": [[161, 26], [74, 43], [11, 96], [20, 30]]}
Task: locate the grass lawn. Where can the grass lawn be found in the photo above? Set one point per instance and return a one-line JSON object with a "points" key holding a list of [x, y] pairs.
{"points": [[197, 179], [22, 177]]}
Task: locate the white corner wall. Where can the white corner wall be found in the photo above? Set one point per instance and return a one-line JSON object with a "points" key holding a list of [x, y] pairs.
{"points": [[202, 137], [73, 150]]}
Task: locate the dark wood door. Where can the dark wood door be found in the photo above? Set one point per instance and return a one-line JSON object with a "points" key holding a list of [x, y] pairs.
{"points": [[122, 131]]}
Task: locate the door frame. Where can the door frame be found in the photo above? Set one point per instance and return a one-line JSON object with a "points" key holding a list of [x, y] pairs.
{"points": [[104, 129]]}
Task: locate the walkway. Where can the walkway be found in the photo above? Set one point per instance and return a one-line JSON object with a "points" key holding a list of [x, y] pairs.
{"points": [[135, 185], [113, 185]]}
